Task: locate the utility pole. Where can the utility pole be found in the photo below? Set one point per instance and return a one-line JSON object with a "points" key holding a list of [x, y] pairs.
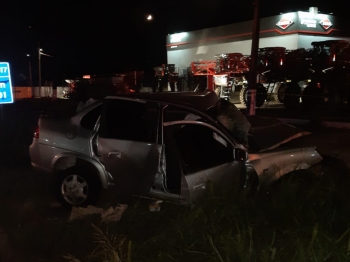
{"points": [[40, 53], [39, 63], [253, 63], [30, 74]]}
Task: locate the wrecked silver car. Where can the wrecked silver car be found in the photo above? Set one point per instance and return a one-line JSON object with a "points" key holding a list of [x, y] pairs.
{"points": [[163, 146]]}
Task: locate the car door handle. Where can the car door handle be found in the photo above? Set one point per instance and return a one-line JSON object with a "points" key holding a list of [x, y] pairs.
{"points": [[70, 135], [200, 186], [115, 154]]}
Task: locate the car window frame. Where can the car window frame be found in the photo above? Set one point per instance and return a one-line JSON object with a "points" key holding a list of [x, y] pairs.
{"points": [[213, 128], [145, 102], [98, 107]]}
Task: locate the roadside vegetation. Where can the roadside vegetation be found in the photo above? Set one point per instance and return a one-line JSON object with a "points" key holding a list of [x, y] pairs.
{"points": [[300, 220]]}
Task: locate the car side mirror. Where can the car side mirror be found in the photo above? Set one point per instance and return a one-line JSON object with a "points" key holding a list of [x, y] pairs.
{"points": [[240, 154]]}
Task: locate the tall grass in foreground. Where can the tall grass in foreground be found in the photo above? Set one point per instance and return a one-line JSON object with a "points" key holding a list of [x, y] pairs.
{"points": [[300, 220]]}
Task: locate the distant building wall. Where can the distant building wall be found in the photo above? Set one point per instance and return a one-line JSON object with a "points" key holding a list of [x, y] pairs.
{"points": [[20, 92], [48, 91], [291, 30]]}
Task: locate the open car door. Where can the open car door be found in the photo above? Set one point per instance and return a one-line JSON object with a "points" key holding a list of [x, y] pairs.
{"points": [[127, 144], [204, 155]]}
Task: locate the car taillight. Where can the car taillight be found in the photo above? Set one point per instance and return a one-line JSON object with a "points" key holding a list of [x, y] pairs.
{"points": [[36, 132]]}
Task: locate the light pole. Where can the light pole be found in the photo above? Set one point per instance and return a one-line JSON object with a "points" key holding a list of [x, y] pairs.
{"points": [[149, 75], [40, 53], [30, 74]]}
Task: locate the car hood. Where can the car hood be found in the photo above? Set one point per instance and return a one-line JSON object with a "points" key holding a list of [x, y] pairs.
{"points": [[269, 133]]}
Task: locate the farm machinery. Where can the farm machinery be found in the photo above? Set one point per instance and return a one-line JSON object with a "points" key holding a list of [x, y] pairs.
{"points": [[165, 76], [99, 86], [231, 72], [330, 78], [314, 76], [201, 75]]}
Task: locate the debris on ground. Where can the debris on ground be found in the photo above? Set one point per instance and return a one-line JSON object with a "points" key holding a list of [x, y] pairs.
{"points": [[112, 214], [155, 206]]}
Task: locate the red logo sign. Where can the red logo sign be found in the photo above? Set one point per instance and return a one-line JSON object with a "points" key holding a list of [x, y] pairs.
{"points": [[325, 23], [284, 23]]}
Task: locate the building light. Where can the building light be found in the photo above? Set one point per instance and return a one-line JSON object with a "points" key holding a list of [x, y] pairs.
{"points": [[175, 38]]}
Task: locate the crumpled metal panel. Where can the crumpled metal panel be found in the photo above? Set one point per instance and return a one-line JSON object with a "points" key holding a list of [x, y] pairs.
{"points": [[267, 133], [271, 165]]}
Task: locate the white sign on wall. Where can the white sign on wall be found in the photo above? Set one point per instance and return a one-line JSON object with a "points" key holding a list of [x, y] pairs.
{"points": [[309, 22]]}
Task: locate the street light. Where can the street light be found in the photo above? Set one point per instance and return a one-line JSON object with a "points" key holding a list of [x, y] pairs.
{"points": [[251, 103], [40, 53]]}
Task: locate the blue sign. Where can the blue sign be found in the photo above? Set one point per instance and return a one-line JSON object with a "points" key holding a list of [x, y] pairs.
{"points": [[5, 84]]}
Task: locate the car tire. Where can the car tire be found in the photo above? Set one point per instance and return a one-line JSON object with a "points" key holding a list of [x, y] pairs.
{"points": [[76, 186]]}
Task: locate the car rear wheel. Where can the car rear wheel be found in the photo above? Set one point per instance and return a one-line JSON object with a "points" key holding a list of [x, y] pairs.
{"points": [[76, 187]]}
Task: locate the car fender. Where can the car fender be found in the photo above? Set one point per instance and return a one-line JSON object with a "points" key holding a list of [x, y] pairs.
{"points": [[272, 165], [69, 159]]}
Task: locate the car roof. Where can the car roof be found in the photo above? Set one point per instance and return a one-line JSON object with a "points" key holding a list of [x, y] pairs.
{"points": [[200, 101]]}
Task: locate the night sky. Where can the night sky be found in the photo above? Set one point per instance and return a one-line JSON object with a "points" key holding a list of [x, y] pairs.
{"points": [[102, 37]]}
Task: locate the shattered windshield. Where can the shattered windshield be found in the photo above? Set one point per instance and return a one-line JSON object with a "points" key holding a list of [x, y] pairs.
{"points": [[232, 118]]}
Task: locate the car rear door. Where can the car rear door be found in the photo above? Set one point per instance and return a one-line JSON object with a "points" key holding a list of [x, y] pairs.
{"points": [[127, 144]]}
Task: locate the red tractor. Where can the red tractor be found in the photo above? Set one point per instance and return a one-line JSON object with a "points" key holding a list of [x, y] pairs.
{"points": [[315, 76], [282, 75], [275, 67], [231, 71], [330, 74], [201, 74]]}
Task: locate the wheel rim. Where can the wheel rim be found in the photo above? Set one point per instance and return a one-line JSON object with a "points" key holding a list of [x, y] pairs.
{"points": [[74, 189]]}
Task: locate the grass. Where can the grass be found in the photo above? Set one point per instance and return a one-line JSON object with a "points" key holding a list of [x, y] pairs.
{"points": [[300, 220], [308, 222]]}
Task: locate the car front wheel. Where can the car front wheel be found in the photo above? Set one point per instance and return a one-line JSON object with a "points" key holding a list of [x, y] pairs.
{"points": [[76, 187]]}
